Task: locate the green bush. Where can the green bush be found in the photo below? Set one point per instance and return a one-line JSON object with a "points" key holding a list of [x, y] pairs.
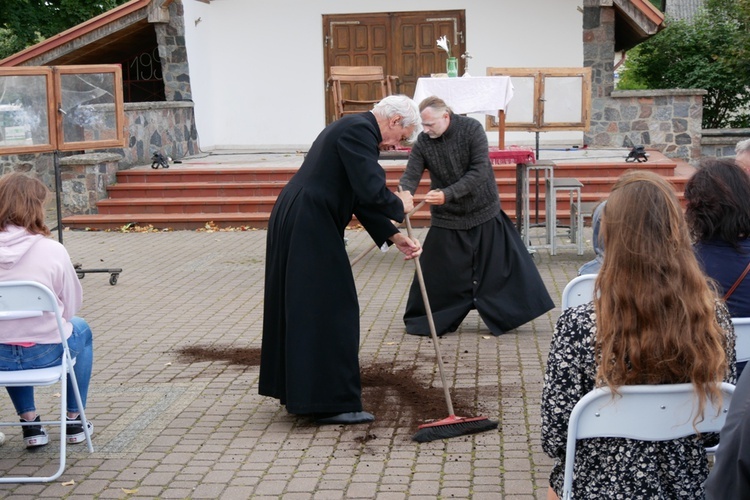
{"points": [[710, 53]]}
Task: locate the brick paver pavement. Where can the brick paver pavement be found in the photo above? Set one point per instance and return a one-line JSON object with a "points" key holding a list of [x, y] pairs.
{"points": [[167, 428]]}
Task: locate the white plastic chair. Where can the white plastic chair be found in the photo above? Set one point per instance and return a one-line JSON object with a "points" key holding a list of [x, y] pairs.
{"points": [[24, 299], [643, 412], [742, 346], [580, 290]]}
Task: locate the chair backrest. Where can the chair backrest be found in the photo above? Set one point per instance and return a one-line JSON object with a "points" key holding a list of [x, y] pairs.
{"points": [[580, 290], [364, 82], [25, 299], [742, 346], [643, 412]]}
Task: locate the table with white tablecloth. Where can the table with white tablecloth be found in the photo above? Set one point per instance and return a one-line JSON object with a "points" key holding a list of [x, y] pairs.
{"points": [[470, 94]]}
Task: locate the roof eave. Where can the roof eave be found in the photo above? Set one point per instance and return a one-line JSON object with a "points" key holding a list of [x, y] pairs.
{"points": [[75, 32], [640, 20]]}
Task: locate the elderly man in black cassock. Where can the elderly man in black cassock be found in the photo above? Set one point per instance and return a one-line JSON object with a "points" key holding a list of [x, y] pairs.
{"points": [[310, 347]]}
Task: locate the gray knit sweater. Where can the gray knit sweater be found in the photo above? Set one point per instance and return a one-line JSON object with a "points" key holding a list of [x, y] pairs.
{"points": [[459, 165]]}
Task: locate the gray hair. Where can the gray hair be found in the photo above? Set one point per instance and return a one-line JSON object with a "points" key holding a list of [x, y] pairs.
{"points": [[742, 147], [404, 107]]}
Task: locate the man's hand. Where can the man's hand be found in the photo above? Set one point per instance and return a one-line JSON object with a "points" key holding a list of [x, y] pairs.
{"points": [[435, 197], [411, 248], [407, 199]]}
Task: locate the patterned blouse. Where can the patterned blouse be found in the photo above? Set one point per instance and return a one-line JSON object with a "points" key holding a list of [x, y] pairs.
{"points": [[614, 468]]}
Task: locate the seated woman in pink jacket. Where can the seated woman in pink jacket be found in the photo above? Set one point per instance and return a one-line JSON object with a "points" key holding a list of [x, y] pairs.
{"points": [[27, 254]]}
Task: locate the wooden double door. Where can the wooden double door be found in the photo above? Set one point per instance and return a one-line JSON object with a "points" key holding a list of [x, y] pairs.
{"points": [[403, 43]]}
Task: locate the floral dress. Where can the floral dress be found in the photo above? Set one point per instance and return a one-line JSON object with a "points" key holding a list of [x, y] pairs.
{"points": [[614, 468]]}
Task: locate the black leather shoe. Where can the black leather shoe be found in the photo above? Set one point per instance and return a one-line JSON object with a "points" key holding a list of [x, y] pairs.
{"points": [[352, 417]]}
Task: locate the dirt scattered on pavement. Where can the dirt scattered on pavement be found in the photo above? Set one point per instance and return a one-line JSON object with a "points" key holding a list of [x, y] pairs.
{"points": [[394, 394], [230, 354]]}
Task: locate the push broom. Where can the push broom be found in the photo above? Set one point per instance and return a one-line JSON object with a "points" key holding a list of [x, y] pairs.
{"points": [[452, 426]]}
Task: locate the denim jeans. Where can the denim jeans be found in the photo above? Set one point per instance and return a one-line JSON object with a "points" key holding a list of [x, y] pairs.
{"points": [[80, 342]]}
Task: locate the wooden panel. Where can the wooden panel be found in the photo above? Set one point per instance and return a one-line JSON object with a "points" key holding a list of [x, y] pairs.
{"points": [[563, 115], [82, 106], [91, 99], [27, 110], [354, 40], [404, 44], [415, 40]]}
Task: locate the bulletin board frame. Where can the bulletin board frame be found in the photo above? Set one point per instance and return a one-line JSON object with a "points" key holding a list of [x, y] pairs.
{"points": [[61, 108], [545, 99]]}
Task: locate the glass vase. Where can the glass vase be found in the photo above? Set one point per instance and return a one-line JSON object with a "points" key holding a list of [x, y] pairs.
{"points": [[451, 66]]}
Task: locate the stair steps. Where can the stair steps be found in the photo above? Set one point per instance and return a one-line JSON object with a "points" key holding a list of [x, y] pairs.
{"points": [[190, 196]]}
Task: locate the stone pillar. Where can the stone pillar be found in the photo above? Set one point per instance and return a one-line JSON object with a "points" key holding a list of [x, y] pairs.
{"points": [[599, 46], [85, 179], [170, 36]]}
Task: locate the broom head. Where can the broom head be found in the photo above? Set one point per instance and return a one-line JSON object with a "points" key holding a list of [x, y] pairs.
{"points": [[451, 427]]}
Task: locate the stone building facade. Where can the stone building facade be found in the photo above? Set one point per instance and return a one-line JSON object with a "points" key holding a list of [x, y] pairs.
{"points": [[167, 126], [668, 121]]}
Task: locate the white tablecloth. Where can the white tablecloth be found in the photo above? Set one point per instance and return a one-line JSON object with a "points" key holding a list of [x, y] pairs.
{"points": [[471, 94]]}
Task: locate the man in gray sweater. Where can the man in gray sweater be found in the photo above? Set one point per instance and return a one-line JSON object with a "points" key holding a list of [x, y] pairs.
{"points": [[473, 258]]}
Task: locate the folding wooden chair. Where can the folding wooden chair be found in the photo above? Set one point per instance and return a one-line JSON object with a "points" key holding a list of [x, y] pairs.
{"points": [[25, 299], [357, 88], [643, 412]]}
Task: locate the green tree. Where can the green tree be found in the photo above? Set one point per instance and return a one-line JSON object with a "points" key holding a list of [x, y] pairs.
{"points": [[711, 52], [26, 22]]}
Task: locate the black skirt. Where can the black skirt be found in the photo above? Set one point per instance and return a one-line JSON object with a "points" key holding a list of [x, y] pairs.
{"points": [[486, 268]]}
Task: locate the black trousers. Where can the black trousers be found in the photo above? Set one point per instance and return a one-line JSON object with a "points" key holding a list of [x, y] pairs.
{"points": [[487, 268]]}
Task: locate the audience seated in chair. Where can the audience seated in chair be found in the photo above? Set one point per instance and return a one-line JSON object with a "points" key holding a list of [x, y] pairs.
{"points": [[654, 320], [730, 476], [593, 266], [718, 214], [27, 254]]}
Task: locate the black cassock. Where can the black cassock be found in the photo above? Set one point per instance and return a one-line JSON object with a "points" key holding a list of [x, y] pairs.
{"points": [[486, 268], [309, 355]]}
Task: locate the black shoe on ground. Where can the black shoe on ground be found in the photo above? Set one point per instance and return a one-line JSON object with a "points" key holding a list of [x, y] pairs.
{"points": [[348, 418], [34, 435], [74, 432]]}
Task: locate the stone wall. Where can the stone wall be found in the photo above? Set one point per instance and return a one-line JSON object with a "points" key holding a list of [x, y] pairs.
{"points": [[668, 121], [163, 127], [84, 177], [41, 166], [721, 142]]}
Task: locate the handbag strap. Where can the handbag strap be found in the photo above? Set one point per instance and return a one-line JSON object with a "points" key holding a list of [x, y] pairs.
{"points": [[737, 283]]}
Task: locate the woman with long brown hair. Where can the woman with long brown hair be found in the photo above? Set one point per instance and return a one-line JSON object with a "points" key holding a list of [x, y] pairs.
{"points": [[654, 320]]}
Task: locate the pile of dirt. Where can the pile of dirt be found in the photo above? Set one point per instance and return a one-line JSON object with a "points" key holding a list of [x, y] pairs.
{"points": [[399, 399], [393, 394]]}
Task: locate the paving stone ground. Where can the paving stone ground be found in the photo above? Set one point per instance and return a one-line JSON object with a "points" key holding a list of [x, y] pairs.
{"points": [[168, 428]]}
